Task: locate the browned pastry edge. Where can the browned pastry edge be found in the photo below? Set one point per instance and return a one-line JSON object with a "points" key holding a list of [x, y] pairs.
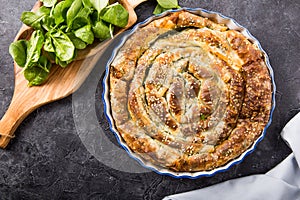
{"points": [[249, 103]]}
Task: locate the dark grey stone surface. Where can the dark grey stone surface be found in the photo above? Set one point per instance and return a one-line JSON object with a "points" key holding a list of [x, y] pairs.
{"points": [[47, 159]]}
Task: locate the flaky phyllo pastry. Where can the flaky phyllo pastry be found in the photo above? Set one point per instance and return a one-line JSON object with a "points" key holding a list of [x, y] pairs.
{"points": [[188, 94]]}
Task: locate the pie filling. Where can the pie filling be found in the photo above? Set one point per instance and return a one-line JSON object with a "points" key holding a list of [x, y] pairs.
{"points": [[188, 94]]}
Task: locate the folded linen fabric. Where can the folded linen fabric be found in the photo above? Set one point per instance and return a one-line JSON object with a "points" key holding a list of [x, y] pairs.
{"points": [[281, 182]]}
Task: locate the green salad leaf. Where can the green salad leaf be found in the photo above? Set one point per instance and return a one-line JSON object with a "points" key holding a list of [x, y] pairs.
{"points": [[85, 34], [18, 51], [99, 5], [116, 15], [168, 3], [48, 23], [88, 4], [73, 11], [60, 11], [43, 11], [34, 47], [61, 28], [35, 76], [82, 18], [34, 19], [63, 64], [78, 43], [48, 44], [44, 64], [63, 47], [49, 3], [101, 30], [38, 73], [164, 5], [158, 9]]}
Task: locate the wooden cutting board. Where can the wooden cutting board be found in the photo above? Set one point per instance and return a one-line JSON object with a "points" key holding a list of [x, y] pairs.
{"points": [[61, 82]]}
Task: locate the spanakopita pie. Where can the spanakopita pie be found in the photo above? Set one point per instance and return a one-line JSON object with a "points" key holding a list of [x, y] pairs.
{"points": [[187, 93]]}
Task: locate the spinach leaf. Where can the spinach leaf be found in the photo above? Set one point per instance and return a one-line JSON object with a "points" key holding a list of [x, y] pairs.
{"points": [[73, 11], [48, 44], [35, 75], [60, 11], [44, 64], [101, 30], [34, 47], [43, 11], [79, 18], [54, 59], [49, 3], [64, 64], [85, 34], [18, 51], [33, 19], [79, 22], [78, 43], [158, 9], [38, 73], [168, 3], [87, 4], [62, 27], [63, 46], [116, 15], [50, 56], [68, 3], [99, 4], [48, 23], [82, 18], [84, 12]]}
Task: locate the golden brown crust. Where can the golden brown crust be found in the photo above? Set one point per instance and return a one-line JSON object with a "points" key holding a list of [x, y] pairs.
{"points": [[188, 94]]}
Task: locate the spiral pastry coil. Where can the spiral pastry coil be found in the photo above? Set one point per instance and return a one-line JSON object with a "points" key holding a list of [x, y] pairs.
{"points": [[188, 94]]}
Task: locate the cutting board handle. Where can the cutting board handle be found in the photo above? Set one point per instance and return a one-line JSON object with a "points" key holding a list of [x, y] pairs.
{"points": [[15, 114], [17, 110]]}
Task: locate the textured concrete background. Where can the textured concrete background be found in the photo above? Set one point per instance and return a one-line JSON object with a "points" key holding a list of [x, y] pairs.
{"points": [[47, 159]]}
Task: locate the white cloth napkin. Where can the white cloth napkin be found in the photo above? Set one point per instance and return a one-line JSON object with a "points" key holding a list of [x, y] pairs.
{"points": [[280, 183]]}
